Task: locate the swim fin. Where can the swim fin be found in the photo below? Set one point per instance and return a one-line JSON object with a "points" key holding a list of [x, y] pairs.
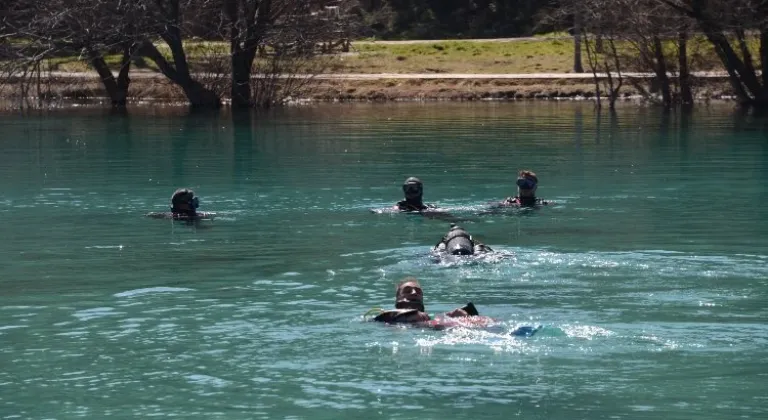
{"points": [[470, 309]]}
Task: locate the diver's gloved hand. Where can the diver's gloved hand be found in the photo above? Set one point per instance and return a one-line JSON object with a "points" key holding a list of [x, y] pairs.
{"points": [[467, 310]]}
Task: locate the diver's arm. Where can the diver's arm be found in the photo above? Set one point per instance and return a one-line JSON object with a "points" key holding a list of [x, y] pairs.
{"points": [[402, 316], [457, 313], [497, 207], [467, 310]]}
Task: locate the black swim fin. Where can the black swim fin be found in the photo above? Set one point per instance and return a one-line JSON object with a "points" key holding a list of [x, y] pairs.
{"points": [[470, 309]]}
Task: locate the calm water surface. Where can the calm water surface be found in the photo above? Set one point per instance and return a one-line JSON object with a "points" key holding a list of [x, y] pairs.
{"points": [[649, 273]]}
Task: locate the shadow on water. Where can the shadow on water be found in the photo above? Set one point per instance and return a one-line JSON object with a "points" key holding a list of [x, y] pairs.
{"points": [[121, 133], [243, 144], [192, 124]]}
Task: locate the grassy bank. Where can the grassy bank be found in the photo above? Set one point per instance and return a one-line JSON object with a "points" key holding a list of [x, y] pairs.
{"points": [[545, 56], [525, 55], [512, 56]]}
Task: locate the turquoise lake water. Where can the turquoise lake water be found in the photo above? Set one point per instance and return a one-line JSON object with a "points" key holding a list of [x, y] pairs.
{"points": [[649, 273]]}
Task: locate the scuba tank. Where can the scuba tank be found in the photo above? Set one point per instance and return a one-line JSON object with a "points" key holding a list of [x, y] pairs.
{"points": [[458, 242]]}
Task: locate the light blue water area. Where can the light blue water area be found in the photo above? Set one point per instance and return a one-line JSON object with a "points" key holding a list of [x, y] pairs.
{"points": [[648, 272]]}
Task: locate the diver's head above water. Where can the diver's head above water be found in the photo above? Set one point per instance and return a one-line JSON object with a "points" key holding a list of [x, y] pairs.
{"points": [[184, 202], [413, 189], [409, 306], [409, 295], [527, 182]]}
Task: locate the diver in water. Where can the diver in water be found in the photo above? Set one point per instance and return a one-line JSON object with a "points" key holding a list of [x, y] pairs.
{"points": [[413, 189], [527, 182], [184, 205], [459, 242], [409, 310], [409, 306]]}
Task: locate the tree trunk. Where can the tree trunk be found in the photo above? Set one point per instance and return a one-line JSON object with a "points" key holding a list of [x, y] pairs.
{"points": [[117, 88], [661, 72], [746, 85], [612, 91], [179, 73], [123, 81], [198, 95], [764, 54], [246, 25], [241, 79], [614, 87], [577, 65], [684, 76], [593, 65], [240, 88]]}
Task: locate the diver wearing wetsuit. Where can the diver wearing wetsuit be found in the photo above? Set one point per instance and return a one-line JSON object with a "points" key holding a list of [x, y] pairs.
{"points": [[458, 242], [409, 306], [413, 189], [527, 182], [184, 205]]}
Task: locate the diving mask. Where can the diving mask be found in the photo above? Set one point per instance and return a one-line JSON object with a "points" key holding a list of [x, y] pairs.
{"points": [[526, 183], [413, 189]]}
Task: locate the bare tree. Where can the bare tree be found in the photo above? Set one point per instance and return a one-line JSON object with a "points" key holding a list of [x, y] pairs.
{"points": [[643, 28], [684, 75], [634, 34], [292, 30], [577, 33], [729, 26], [598, 26], [55, 29], [166, 19], [21, 53], [182, 40], [650, 28]]}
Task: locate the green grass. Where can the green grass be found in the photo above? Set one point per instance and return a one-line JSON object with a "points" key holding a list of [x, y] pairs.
{"points": [[367, 57], [545, 55], [462, 57]]}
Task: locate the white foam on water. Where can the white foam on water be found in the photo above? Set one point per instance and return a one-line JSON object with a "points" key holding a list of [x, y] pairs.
{"points": [[152, 290]]}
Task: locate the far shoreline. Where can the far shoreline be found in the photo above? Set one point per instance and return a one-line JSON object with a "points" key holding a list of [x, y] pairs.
{"points": [[155, 89]]}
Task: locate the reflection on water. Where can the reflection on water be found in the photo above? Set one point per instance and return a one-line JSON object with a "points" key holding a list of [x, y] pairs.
{"points": [[647, 273]]}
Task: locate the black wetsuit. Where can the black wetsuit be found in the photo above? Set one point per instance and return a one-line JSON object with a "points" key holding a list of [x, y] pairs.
{"points": [[402, 316], [406, 205]]}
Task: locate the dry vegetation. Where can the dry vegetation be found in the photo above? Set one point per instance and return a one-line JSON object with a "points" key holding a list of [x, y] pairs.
{"points": [[543, 55], [161, 90]]}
